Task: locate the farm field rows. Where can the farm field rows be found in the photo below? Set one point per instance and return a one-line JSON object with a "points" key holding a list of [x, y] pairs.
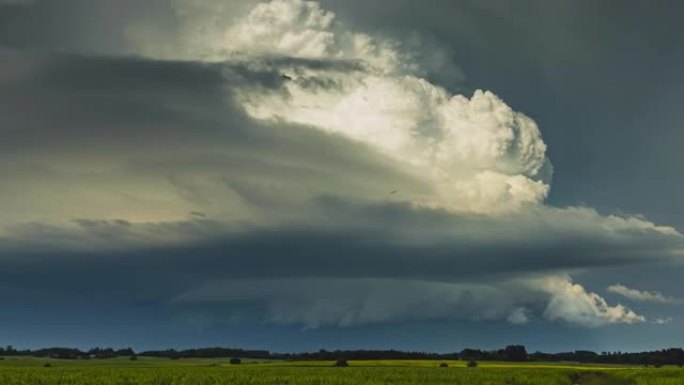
{"points": [[152, 371]]}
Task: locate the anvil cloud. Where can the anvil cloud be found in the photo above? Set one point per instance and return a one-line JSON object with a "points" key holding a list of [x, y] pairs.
{"points": [[272, 163]]}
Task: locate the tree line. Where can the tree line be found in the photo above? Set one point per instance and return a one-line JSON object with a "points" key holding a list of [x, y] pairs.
{"points": [[515, 353]]}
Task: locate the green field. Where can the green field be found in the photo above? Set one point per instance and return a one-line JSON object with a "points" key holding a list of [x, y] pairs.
{"points": [[153, 371]]}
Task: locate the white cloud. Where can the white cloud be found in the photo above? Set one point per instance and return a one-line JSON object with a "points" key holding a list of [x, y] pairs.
{"points": [[571, 303], [290, 28], [481, 155], [663, 321], [638, 295], [283, 28]]}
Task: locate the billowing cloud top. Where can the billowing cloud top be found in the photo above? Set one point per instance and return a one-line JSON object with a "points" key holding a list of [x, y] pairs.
{"points": [[480, 155], [280, 159]]}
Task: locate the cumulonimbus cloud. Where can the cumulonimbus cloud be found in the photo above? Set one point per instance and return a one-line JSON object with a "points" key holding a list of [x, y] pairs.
{"points": [[571, 303], [309, 150], [481, 155]]}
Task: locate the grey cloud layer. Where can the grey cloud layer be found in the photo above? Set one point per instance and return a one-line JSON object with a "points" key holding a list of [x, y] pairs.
{"points": [[136, 146]]}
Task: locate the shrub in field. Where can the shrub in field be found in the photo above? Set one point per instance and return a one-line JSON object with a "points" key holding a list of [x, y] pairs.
{"points": [[235, 361], [443, 365], [47, 365], [341, 363], [133, 358], [472, 364]]}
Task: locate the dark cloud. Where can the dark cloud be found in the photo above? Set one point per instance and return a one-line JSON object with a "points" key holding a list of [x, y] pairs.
{"points": [[278, 201], [98, 26], [145, 183]]}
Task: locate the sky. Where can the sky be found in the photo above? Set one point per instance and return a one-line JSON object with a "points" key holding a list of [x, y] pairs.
{"points": [[295, 175]]}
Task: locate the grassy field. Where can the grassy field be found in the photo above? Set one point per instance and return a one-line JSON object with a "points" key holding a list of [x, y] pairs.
{"points": [[152, 371]]}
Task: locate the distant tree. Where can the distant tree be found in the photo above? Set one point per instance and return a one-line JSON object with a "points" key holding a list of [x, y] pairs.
{"points": [[124, 352], [60, 353], [472, 364], [102, 353], [341, 363], [235, 361], [515, 353], [47, 365], [133, 358], [671, 356], [470, 354], [443, 365]]}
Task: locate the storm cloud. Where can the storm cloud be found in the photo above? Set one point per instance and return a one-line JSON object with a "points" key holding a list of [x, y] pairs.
{"points": [[280, 165]]}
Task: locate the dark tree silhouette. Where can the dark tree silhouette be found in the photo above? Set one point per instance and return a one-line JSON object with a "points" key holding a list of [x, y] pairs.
{"points": [[515, 353], [341, 363]]}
